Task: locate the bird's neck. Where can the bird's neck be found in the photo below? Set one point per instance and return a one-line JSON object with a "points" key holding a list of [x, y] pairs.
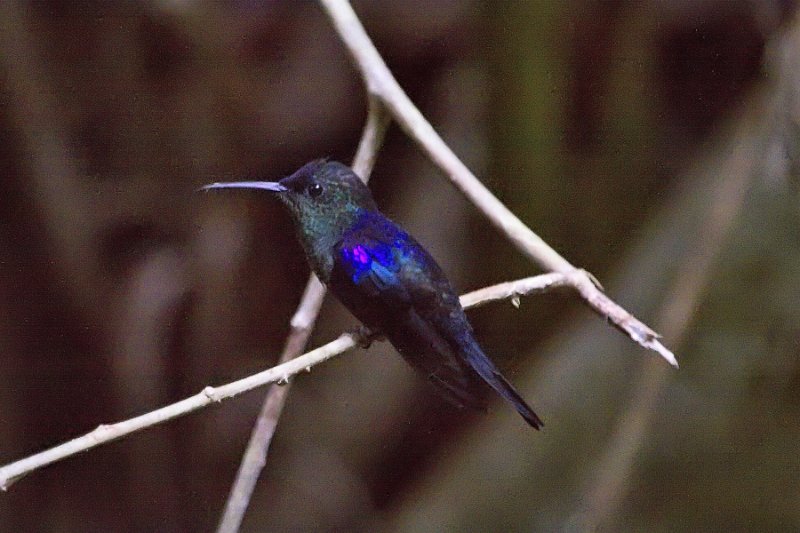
{"points": [[320, 237]]}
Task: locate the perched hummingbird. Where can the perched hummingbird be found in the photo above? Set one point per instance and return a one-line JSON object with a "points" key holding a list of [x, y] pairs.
{"points": [[387, 280]]}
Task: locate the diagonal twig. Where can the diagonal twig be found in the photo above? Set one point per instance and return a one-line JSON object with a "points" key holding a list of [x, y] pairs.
{"points": [[302, 323], [382, 85], [280, 374]]}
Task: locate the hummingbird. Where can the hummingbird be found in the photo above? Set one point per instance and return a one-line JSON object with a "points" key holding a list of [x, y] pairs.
{"points": [[388, 281]]}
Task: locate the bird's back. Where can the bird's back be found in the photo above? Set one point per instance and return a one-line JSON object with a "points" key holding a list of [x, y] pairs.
{"points": [[392, 284]]}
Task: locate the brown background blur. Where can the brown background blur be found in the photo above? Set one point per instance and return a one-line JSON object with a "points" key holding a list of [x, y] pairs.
{"points": [[653, 143]]}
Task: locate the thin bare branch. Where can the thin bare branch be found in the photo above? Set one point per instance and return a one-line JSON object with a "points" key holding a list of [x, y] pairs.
{"points": [[280, 374], [381, 84], [512, 290], [302, 323]]}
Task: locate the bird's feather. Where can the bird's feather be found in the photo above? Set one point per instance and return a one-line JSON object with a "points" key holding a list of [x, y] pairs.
{"points": [[389, 282]]}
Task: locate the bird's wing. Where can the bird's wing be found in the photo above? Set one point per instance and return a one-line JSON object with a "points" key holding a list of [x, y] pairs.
{"points": [[391, 283]]}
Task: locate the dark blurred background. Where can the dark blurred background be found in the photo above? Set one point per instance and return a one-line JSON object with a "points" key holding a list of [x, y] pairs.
{"points": [[654, 143]]}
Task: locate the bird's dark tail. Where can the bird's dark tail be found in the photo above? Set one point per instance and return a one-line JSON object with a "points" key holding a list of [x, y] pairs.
{"points": [[491, 375]]}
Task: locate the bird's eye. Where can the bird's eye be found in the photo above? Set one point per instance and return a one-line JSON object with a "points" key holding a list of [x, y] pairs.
{"points": [[314, 190]]}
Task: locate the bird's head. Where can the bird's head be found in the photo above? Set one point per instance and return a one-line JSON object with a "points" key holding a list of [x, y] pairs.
{"points": [[324, 198]]}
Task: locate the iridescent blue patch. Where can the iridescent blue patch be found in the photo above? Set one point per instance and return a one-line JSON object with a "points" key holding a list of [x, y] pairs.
{"points": [[360, 256], [379, 260]]}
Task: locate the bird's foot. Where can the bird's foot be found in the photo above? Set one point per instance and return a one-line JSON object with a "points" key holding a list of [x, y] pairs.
{"points": [[364, 336]]}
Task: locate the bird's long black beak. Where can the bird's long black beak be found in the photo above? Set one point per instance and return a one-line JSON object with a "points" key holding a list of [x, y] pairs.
{"points": [[272, 186]]}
